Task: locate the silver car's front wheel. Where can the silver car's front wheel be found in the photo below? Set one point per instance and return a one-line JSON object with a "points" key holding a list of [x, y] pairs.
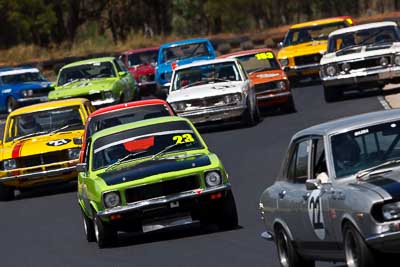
{"points": [[282, 246], [357, 253]]}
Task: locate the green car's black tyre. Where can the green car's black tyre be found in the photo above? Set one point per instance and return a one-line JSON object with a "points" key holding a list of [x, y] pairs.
{"points": [[12, 104], [88, 227], [103, 233], [6, 193], [332, 94], [357, 253], [287, 254], [227, 217]]}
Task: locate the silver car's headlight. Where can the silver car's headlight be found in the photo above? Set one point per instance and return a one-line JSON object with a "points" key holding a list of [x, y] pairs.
{"points": [[331, 70], [391, 211], [213, 178], [397, 60], [112, 199], [284, 61], [231, 99], [384, 61], [27, 93], [73, 153], [9, 164], [178, 106]]}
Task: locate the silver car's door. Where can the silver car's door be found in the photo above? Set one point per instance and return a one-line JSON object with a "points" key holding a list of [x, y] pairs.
{"points": [[292, 189], [317, 213]]}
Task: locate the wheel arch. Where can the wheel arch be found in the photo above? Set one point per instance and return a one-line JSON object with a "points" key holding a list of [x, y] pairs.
{"points": [[280, 223]]}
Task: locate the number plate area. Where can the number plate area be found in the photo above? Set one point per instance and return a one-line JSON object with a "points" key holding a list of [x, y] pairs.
{"points": [[153, 225]]}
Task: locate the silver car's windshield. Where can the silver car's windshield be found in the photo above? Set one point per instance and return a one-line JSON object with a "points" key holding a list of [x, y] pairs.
{"points": [[212, 73], [364, 148]]}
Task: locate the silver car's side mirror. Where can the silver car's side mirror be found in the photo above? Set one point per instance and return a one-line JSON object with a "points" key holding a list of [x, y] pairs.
{"points": [[81, 167], [312, 184]]}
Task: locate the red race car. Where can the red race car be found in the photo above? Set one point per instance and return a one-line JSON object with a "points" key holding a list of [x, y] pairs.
{"points": [[270, 81], [124, 113], [141, 63]]}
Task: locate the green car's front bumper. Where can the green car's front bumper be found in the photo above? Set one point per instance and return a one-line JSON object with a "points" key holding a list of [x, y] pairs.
{"points": [[190, 203]]}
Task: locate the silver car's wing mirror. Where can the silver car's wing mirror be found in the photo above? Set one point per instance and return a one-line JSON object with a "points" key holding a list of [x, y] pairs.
{"points": [[312, 184]]}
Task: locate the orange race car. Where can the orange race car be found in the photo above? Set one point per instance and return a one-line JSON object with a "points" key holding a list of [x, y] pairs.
{"points": [[270, 81]]}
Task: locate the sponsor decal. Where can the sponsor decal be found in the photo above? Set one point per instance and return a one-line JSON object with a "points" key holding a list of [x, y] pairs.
{"points": [[265, 55], [267, 75], [59, 142], [315, 213]]}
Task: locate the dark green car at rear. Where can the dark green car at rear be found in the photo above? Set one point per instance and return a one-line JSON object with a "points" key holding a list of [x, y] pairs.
{"points": [[104, 81], [148, 175]]}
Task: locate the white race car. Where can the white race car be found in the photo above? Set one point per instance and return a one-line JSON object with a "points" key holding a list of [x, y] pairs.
{"points": [[361, 57], [213, 90]]}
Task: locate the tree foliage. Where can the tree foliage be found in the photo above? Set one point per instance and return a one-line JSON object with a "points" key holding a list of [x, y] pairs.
{"points": [[44, 22]]}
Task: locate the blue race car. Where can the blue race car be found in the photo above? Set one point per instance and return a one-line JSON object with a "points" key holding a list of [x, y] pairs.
{"points": [[21, 87], [179, 53]]}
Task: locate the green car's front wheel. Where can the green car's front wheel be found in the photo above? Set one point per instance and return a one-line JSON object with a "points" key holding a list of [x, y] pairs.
{"points": [[103, 233], [227, 217], [88, 226]]}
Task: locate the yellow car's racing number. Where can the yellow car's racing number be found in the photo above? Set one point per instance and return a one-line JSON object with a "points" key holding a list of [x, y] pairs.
{"points": [[184, 138], [265, 55]]}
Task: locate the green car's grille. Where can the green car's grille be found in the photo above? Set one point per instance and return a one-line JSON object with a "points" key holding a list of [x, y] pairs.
{"points": [[160, 189]]}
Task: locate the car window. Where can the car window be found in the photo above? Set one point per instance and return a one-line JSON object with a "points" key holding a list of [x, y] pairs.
{"points": [[319, 160], [87, 71], [120, 66], [366, 147], [298, 166]]}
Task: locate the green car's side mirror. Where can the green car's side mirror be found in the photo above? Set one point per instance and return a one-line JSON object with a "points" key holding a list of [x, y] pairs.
{"points": [[122, 73], [53, 85], [81, 167]]}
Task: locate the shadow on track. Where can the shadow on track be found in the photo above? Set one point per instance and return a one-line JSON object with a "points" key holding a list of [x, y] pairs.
{"points": [[172, 233], [47, 190]]}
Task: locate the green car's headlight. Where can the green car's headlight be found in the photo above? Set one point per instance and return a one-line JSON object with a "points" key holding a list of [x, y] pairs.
{"points": [[391, 211], [213, 178], [73, 153], [111, 199], [108, 94], [9, 164]]}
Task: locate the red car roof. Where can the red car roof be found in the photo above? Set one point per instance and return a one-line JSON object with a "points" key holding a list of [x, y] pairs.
{"points": [[140, 50], [129, 105], [246, 52]]}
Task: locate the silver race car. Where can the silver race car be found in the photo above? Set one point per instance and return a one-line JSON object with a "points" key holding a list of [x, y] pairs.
{"points": [[337, 197]]}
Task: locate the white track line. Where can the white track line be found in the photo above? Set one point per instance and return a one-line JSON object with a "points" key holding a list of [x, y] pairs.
{"points": [[383, 102]]}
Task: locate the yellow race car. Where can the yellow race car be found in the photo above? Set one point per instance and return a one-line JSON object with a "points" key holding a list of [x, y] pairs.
{"points": [[41, 144], [305, 43]]}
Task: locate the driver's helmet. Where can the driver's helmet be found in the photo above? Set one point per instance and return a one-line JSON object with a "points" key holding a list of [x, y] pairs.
{"points": [[27, 123], [346, 150]]}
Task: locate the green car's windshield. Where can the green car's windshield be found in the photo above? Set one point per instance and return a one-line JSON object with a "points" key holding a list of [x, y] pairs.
{"points": [[147, 140], [365, 148], [309, 34], [41, 122], [211, 73], [86, 71], [259, 62]]}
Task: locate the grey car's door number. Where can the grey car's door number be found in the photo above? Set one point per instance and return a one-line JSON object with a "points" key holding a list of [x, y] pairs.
{"points": [[315, 213]]}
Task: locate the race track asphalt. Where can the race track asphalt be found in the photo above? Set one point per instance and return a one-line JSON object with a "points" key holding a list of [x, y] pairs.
{"points": [[44, 228]]}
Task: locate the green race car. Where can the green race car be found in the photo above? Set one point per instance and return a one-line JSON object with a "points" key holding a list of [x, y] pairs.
{"points": [[104, 81], [148, 175]]}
